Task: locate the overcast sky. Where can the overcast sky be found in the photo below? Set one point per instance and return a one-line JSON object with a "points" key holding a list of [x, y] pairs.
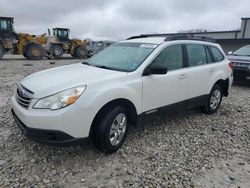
{"points": [[119, 19]]}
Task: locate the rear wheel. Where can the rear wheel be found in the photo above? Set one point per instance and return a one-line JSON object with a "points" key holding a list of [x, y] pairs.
{"points": [[214, 100], [111, 129], [57, 51], [34, 51], [1, 51], [80, 52]]}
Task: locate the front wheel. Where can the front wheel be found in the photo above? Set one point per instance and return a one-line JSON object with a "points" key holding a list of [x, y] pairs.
{"points": [[214, 100], [34, 51], [111, 130], [57, 51]]}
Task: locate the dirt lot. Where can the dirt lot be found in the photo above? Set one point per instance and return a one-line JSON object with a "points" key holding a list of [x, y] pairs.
{"points": [[187, 149]]}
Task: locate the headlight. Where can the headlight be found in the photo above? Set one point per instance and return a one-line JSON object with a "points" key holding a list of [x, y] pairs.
{"points": [[61, 99]]}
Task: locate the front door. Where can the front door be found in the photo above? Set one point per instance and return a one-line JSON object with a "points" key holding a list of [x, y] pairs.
{"points": [[170, 88]]}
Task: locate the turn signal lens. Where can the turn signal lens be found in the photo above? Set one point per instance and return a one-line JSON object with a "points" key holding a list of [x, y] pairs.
{"points": [[72, 99]]}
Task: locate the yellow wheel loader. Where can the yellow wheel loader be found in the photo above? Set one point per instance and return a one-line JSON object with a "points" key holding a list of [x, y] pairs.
{"points": [[59, 44], [24, 44]]}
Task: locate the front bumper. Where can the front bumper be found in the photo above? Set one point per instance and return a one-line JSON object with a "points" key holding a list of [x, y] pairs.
{"points": [[73, 120], [51, 137]]}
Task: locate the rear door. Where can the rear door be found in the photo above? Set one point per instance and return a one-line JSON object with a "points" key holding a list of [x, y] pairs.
{"points": [[200, 71]]}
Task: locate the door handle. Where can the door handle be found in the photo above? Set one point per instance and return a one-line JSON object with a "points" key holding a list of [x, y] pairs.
{"points": [[182, 76], [211, 70]]}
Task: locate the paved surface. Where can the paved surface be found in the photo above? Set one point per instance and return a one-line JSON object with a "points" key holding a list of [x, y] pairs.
{"points": [[186, 149]]}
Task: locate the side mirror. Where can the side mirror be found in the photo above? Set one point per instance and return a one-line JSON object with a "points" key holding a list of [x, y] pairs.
{"points": [[230, 52], [155, 68]]}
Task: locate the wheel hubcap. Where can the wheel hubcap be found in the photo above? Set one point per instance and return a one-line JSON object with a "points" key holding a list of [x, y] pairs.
{"points": [[118, 129], [57, 51], [82, 52], [36, 52], [215, 99]]}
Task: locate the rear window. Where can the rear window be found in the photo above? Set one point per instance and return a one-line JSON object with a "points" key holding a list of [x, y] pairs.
{"points": [[217, 55]]}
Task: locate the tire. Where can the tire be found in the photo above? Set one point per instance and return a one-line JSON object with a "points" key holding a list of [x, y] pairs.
{"points": [[1, 51], [90, 54], [107, 136], [80, 52], [214, 100], [57, 51], [25, 55], [34, 51]]}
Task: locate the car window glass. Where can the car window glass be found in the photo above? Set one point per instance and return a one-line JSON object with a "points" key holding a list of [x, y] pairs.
{"points": [[172, 57], [196, 54], [3, 24], [244, 51], [209, 58], [124, 56], [217, 54], [65, 33]]}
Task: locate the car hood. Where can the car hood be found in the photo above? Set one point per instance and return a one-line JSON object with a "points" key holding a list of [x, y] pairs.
{"points": [[54, 80], [233, 58]]}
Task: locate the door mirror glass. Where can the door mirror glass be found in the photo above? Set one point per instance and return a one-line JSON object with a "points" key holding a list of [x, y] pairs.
{"points": [[156, 68]]}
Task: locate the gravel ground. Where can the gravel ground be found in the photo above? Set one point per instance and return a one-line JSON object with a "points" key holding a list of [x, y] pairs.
{"points": [[186, 149]]}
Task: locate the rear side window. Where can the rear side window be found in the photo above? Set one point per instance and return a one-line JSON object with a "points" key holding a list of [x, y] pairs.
{"points": [[217, 55], [196, 54]]}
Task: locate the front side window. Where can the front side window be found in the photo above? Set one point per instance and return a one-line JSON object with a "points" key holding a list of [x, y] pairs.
{"points": [[196, 54], [172, 57], [61, 33], [218, 56], [123, 56]]}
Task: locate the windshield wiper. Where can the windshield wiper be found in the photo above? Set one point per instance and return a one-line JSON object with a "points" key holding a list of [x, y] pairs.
{"points": [[85, 63], [103, 67], [239, 55]]}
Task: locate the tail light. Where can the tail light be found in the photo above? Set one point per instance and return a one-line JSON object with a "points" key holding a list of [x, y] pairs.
{"points": [[231, 65]]}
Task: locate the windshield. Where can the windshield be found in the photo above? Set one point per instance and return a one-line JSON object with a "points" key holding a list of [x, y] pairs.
{"points": [[244, 51], [6, 25], [122, 56], [61, 33]]}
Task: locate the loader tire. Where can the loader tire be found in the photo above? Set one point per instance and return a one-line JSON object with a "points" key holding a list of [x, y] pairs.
{"points": [[25, 55], [80, 52], [34, 51], [57, 51], [1, 51]]}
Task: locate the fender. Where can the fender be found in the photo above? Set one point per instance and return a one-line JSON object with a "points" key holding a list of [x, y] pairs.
{"points": [[220, 75], [96, 100]]}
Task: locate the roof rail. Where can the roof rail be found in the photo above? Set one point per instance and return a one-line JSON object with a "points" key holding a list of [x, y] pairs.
{"points": [[171, 37]]}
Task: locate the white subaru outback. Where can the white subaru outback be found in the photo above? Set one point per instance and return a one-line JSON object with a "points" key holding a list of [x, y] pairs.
{"points": [[99, 98]]}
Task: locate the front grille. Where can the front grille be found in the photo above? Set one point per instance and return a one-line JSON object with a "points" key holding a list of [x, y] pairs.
{"points": [[23, 96], [241, 66]]}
